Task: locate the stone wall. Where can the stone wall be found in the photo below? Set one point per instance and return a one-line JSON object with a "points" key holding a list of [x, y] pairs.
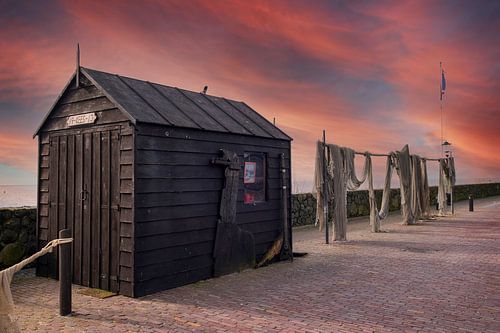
{"points": [[304, 204], [17, 235]]}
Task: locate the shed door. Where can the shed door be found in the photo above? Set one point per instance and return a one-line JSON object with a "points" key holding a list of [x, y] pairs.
{"points": [[84, 194]]}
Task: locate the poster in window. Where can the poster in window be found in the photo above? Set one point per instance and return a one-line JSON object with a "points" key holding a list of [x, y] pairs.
{"points": [[250, 172], [254, 178]]}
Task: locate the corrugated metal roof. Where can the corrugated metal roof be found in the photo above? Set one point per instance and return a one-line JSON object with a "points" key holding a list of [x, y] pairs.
{"points": [[159, 104]]}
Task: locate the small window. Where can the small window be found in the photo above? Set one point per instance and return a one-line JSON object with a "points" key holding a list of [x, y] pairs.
{"points": [[254, 178]]}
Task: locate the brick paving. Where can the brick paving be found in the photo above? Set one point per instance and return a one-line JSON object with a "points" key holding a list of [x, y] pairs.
{"points": [[438, 276]]}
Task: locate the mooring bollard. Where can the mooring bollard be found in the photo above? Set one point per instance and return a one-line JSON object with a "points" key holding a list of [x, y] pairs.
{"points": [[471, 203], [65, 274]]}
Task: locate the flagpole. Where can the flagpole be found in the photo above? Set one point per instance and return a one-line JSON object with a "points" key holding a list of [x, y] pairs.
{"points": [[441, 104]]}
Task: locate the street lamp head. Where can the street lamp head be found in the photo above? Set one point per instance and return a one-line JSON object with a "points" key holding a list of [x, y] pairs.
{"points": [[446, 145]]}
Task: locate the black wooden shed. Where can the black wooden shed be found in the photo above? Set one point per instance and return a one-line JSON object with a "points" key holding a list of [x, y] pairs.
{"points": [[160, 186]]}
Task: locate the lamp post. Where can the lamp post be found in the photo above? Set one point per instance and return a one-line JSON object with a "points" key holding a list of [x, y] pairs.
{"points": [[448, 152], [447, 148]]}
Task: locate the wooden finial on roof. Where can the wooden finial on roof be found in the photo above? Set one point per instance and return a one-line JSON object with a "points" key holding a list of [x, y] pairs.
{"points": [[77, 65]]}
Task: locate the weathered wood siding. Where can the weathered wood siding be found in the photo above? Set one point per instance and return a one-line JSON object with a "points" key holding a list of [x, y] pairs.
{"points": [[87, 98], [64, 168], [177, 194]]}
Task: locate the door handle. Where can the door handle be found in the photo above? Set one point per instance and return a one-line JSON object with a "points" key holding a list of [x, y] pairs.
{"points": [[84, 194]]}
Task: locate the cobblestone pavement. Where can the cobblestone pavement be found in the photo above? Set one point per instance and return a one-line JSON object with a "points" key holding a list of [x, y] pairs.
{"points": [[438, 276]]}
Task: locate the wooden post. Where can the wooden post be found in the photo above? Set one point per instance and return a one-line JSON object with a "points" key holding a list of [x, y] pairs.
{"points": [[286, 253], [234, 247], [325, 190], [471, 203], [65, 274], [452, 206]]}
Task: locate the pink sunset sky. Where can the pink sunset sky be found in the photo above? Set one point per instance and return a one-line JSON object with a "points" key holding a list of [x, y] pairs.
{"points": [[367, 72]]}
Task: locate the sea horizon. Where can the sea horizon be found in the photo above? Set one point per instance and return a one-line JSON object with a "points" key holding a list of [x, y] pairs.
{"points": [[14, 196]]}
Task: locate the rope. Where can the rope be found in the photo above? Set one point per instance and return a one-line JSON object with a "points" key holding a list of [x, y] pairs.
{"points": [[6, 302]]}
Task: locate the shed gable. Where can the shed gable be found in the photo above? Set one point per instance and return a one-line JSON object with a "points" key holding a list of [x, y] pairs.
{"points": [[86, 99]]}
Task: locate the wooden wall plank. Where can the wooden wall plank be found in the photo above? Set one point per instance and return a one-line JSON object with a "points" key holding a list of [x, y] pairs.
{"points": [[126, 215], [126, 259], [162, 241], [80, 94], [44, 161], [44, 210], [126, 200], [127, 142], [127, 157], [62, 186], [44, 198], [126, 171], [96, 211], [78, 224], [188, 158], [70, 185], [145, 200], [53, 206], [45, 150], [115, 212], [199, 146], [84, 106], [126, 229], [172, 253], [105, 210], [166, 269], [160, 213], [126, 186], [87, 210], [43, 234], [126, 244], [194, 134], [104, 117], [175, 225], [177, 185], [44, 184], [126, 274]]}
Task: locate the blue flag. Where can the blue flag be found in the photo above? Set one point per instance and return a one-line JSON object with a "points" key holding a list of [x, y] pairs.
{"points": [[443, 84]]}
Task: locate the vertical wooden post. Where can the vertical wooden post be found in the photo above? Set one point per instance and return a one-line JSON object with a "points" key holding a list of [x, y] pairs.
{"points": [[325, 190], [452, 206], [65, 274], [471, 203], [286, 253]]}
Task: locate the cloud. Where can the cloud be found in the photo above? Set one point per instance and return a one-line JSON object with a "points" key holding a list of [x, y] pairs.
{"points": [[366, 74]]}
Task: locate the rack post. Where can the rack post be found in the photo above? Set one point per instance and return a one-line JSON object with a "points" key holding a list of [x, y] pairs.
{"points": [[65, 274], [452, 206], [325, 194]]}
